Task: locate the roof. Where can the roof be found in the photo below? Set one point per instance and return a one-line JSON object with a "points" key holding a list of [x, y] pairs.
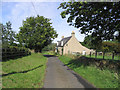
{"points": [[65, 40]]}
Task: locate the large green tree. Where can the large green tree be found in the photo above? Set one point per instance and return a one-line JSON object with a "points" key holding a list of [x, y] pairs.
{"points": [[37, 32], [100, 19], [105, 46], [8, 35]]}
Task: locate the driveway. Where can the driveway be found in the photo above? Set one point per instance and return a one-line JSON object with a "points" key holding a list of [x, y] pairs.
{"points": [[60, 76]]}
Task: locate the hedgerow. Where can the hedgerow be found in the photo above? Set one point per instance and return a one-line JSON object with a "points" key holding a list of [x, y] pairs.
{"points": [[12, 52]]}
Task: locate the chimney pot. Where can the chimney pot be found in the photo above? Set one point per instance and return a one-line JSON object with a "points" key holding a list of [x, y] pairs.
{"points": [[62, 37], [73, 33]]}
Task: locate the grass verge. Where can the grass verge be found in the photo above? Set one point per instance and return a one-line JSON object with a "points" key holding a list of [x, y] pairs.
{"points": [[25, 72], [99, 78]]}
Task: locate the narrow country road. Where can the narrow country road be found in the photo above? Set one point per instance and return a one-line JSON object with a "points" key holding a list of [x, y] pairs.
{"points": [[60, 76]]}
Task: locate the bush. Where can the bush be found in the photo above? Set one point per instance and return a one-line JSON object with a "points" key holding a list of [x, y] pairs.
{"points": [[110, 47], [12, 52]]}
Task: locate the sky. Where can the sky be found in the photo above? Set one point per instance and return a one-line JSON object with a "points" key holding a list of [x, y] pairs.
{"points": [[16, 12]]}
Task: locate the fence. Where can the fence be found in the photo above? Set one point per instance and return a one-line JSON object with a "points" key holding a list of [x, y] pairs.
{"points": [[14, 52], [107, 55]]}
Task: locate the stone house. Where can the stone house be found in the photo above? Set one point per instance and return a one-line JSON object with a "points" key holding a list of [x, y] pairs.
{"points": [[70, 45]]}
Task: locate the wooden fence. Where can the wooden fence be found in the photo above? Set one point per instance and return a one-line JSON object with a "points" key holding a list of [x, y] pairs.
{"points": [[107, 55]]}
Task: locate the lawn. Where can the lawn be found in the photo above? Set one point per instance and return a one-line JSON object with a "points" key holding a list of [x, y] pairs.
{"points": [[48, 53], [25, 72], [99, 78]]}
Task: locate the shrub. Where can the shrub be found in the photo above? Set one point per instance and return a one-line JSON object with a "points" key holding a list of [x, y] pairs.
{"points": [[12, 52]]}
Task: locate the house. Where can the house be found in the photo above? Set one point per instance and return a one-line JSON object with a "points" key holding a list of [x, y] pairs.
{"points": [[70, 45]]}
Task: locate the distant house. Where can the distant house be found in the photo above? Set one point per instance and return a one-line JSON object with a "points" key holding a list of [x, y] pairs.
{"points": [[70, 45]]}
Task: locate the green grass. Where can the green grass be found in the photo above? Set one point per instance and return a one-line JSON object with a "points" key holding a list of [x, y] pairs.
{"points": [[99, 78], [106, 57], [48, 53], [35, 65]]}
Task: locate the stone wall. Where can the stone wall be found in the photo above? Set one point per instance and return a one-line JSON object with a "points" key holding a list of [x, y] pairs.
{"points": [[102, 64]]}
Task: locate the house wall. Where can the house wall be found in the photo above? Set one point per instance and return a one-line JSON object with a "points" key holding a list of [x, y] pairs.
{"points": [[60, 50], [73, 45]]}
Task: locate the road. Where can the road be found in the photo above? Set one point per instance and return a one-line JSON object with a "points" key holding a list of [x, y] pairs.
{"points": [[60, 76]]}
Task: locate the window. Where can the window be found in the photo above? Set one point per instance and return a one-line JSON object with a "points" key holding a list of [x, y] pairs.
{"points": [[61, 43], [84, 52], [57, 43]]}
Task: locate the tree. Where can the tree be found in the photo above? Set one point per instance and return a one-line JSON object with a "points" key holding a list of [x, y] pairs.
{"points": [[87, 42], [100, 19], [90, 43], [108, 46], [50, 47], [8, 35], [37, 32]]}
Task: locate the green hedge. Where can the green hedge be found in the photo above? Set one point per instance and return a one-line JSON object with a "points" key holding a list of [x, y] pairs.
{"points": [[13, 52]]}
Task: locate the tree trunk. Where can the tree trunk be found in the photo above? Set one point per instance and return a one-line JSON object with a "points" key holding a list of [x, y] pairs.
{"points": [[40, 50], [103, 55], [96, 54], [62, 50], [90, 54], [113, 56], [36, 50]]}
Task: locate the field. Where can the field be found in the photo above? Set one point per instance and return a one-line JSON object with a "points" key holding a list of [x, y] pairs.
{"points": [[99, 78], [25, 72]]}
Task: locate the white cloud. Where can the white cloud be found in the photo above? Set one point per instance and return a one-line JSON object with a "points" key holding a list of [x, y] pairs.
{"points": [[21, 10]]}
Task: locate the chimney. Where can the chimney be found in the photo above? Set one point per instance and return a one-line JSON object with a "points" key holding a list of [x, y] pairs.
{"points": [[62, 37], [73, 34]]}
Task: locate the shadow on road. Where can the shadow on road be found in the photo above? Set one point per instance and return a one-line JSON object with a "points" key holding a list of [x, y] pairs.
{"points": [[85, 83], [49, 56], [21, 71]]}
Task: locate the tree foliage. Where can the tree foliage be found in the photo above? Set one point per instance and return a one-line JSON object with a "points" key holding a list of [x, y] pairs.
{"points": [[8, 35], [105, 46], [36, 33], [100, 19], [90, 43], [110, 47], [50, 47], [87, 42]]}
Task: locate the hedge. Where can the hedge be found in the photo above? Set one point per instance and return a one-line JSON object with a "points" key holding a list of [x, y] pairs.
{"points": [[13, 52]]}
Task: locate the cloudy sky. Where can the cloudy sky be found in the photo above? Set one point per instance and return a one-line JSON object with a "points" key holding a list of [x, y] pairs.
{"points": [[16, 12]]}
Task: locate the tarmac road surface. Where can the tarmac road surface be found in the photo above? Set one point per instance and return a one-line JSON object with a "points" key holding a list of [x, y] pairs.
{"points": [[60, 76]]}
